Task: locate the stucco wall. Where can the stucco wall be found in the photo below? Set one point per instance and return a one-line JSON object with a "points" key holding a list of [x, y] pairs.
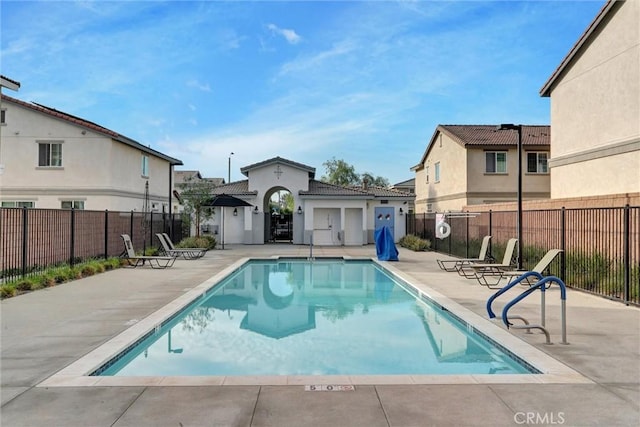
{"points": [[103, 173], [596, 104]]}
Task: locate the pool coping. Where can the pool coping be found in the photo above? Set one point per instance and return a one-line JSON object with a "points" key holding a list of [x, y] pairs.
{"points": [[77, 373]]}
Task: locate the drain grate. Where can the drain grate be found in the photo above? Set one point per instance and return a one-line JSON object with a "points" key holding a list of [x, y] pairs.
{"points": [[329, 387]]}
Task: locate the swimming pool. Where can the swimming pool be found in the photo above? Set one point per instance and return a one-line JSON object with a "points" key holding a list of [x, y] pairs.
{"points": [[322, 317]]}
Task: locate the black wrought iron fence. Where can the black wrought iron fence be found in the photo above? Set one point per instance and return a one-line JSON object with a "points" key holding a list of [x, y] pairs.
{"points": [[601, 245], [32, 240]]}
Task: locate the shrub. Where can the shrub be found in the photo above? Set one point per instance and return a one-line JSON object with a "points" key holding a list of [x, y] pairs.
{"points": [[414, 243], [25, 284], [7, 291], [111, 263], [204, 242]]}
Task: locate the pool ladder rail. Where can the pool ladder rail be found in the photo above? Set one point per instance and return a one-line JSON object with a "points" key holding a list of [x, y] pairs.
{"points": [[542, 283]]}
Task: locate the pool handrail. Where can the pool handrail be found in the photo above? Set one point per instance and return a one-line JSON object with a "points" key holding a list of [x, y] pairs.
{"points": [[508, 286], [542, 285]]}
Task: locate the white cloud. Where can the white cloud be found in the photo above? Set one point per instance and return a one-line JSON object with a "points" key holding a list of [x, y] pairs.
{"points": [[290, 35], [201, 86]]}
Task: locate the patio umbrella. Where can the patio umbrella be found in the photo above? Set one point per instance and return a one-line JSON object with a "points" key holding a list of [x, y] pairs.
{"points": [[225, 200]]}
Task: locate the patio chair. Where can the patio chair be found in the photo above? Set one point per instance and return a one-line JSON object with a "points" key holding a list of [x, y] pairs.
{"points": [[171, 250], [476, 270], [456, 264], [138, 260], [527, 279]]}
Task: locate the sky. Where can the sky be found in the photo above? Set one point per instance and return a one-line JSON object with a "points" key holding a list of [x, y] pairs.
{"points": [[367, 82]]}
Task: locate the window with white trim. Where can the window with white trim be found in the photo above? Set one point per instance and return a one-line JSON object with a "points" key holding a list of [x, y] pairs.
{"points": [[16, 204], [145, 165], [49, 154], [72, 204], [436, 172], [537, 162], [496, 162]]}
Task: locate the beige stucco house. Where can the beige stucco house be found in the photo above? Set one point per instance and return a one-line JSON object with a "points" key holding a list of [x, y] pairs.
{"points": [[595, 108], [55, 160], [477, 164]]}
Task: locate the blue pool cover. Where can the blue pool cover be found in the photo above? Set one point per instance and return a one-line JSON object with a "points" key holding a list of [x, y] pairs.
{"points": [[385, 247]]}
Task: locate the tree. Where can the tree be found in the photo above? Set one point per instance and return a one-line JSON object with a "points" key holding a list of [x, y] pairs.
{"points": [[378, 181], [340, 173], [195, 193]]}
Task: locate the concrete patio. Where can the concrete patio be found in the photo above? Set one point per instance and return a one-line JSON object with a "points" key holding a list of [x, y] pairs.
{"points": [[45, 331]]}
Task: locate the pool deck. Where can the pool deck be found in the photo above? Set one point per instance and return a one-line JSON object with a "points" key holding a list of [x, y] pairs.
{"points": [[46, 331]]}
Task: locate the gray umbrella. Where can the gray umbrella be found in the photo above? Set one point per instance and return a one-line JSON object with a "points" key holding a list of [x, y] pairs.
{"points": [[225, 200]]}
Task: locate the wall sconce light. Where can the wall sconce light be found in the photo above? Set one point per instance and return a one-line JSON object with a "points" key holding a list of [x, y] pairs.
{"points": [[235, 211], [299, 210], [255, 211], [401, 211]]}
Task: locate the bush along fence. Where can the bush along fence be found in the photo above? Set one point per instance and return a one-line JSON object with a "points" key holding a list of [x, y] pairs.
{"points": [[33, 240], [601, 245]]}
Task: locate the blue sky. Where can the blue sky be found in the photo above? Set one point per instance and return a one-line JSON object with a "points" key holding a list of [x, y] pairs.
{"points": [[363, 81]]}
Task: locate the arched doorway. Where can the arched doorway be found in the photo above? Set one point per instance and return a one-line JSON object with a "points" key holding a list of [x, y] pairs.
{"points": [[278, 207]]}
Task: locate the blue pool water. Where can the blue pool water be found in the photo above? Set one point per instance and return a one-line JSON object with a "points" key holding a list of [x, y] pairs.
{"points": [[294, 317]]}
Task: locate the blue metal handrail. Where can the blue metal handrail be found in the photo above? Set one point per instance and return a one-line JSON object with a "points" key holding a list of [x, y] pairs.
{"points": [[508, 286], [541, 284]]}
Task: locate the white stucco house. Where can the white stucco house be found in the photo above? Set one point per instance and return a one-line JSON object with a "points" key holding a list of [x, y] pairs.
{"points": [[324, 214], [56, 160]]}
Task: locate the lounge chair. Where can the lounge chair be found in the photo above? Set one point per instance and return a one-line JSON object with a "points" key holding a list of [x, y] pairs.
{"points": [[522, 276], [171, 250], [477, 270], [138, 260], [457, 264]]}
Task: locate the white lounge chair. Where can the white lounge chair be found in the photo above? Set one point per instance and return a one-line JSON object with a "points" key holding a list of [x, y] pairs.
{"points": [[457, 264], [171, 250], [539, 268], [477, 270], [139, 260]]}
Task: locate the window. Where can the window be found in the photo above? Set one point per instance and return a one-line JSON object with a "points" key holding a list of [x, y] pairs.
{"points": [[3, 116], [426, 172], [16, 204], [145, 165], [50, 154], [437, 172], [537, 163], [429, 207], [496, 162], [72, 204]]}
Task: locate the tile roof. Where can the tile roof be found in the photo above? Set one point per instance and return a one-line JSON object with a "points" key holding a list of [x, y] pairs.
{"points": [[385, 192], [319, 188], [52, 112], [488, 135], [236, 188]]}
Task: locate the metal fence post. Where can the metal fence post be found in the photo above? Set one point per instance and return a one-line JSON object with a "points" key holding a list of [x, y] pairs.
{"points": [[73, 236], [490, 233], [563, 244], [627, 258], [106, 233], [131, 226], [467, 223], [24, 241]]}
